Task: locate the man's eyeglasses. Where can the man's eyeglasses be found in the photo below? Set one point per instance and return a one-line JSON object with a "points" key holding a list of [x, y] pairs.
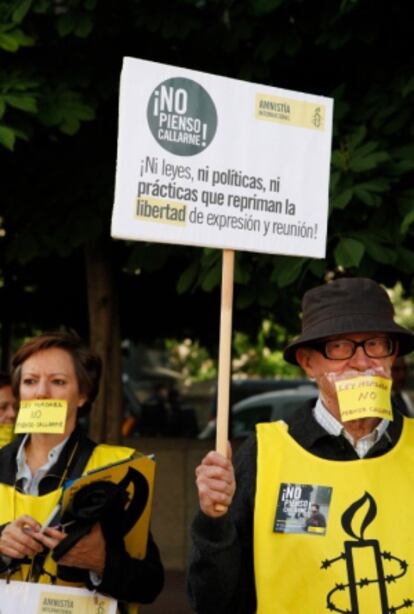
{"points": [[343, 349]]}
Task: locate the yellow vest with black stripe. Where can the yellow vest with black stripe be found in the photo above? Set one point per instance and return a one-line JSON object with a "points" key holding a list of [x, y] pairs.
{"points": [[362, 562], [13, 504]]}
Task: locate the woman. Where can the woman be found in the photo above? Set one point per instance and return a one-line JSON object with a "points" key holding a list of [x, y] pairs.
{"points": [[34, 467], [7, 410], [7, 400]]}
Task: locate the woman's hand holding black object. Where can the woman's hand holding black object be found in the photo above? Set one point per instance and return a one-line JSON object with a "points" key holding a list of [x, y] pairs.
{"points": [[88, 553], [18, 539]]}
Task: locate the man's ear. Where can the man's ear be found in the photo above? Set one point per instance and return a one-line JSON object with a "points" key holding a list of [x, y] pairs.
{"points": [[394, 356], [303, 355], [397, 349]]}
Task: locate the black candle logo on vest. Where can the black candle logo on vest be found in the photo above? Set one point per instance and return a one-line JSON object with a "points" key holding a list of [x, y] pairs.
{"points": [[382, 570]]}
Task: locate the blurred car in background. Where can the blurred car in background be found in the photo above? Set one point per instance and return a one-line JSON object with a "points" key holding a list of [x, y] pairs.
{"points": [[243, 388], [265, 407]]}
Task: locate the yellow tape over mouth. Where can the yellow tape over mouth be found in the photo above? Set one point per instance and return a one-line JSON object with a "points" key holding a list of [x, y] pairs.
{"points": [[42, 416], [364, 397], [290, 111]]}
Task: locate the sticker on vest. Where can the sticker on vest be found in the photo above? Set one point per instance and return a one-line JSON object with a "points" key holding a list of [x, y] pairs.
{"points": [[35, 598], [302, 508]]}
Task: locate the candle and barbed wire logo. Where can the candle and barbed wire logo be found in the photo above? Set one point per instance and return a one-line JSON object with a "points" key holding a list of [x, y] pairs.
{"points": [[182, 116], [369, 569], [317, 117]]}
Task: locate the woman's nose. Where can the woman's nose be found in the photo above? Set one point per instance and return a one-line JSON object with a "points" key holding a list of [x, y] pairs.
{"points": [[42, 389]]}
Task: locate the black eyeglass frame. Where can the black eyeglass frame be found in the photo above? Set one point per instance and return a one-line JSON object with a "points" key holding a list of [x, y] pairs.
{"points": [[320, 346]]}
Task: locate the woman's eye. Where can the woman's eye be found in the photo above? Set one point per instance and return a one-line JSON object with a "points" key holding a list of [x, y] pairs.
{"points": [[28, 381], [59, 382]]}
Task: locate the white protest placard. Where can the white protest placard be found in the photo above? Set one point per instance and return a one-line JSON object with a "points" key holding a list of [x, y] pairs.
{"points": [[210, 161], [36, 598]]}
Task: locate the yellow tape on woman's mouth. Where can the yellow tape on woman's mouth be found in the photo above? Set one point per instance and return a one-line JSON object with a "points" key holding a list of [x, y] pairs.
{"points": [[42, 416]]}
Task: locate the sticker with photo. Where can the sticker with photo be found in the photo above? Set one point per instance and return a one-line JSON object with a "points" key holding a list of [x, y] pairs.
{"points": [[302, 508]]}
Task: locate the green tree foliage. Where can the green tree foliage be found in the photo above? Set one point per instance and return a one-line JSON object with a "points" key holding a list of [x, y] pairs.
{"points": [[42, 93], [192, 361], [60, 63], [260, 355], [252, 355]]}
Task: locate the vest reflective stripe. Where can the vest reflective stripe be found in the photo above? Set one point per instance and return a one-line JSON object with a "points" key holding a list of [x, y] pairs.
{"points": [[13, 504], [364, 563]]}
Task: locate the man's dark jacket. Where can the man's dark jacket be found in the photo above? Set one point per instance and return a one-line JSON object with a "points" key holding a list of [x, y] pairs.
{"points": [[221, 574]]}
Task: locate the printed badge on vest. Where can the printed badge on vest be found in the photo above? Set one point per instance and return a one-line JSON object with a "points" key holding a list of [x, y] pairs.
{"points": [[302, 508]]}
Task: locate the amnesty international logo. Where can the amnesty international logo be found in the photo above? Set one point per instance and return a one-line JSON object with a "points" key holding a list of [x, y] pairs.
{"points": [[290, 112], [370, 571], [182, 116]]}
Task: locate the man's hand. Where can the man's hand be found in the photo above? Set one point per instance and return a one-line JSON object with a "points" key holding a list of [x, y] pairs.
{"points": [[88, 553], [17, 541], [216, 484]]}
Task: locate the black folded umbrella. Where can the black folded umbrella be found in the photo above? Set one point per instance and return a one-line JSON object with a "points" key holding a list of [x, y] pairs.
{"points": [[107, 503]]}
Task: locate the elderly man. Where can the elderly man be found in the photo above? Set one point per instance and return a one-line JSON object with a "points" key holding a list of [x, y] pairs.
{"points": [[250, 551]]}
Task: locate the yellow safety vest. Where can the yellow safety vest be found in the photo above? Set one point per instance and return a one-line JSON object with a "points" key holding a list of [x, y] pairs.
{"points": [[356, 555], [6, 434], [13, 504]]}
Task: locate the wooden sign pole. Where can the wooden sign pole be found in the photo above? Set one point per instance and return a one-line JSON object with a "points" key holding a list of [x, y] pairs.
{"points": [[224, 368]]}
